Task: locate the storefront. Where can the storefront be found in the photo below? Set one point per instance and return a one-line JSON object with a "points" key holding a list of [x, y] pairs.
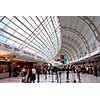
{"points": [[5, 69]]}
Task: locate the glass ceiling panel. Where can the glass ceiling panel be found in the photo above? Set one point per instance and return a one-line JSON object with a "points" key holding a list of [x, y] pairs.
{"points": [[2, 39], [1, 17], [32, 22], [42, 36], [36, 21], [16, 44], [31, 48], [43, 17], [10, 42], [27, 23], [39, 44], [45, 35], [36, 34], [56, 21], [27, 49], [9, 30], [45, 20], [23, 33], [2, 25], [6, 21], [40, 18], [6, 35], [51, 27]]}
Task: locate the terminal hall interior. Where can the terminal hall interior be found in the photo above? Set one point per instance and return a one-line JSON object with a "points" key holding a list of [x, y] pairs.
{"points": [[49, 49]]}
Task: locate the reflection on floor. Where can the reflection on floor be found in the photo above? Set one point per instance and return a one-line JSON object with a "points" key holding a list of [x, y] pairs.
{"points": [[85, 78]]}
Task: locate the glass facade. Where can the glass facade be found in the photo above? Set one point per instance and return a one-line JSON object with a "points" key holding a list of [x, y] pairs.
{"points": [[40, 35]]}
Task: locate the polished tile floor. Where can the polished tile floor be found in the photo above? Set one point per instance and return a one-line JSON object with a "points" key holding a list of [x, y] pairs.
{"points": [[85, 78]]}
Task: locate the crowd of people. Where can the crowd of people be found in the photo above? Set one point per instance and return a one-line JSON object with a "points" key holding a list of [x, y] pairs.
{"points": [[92, 70], [74, 69], [33, 73], [29, 74]]}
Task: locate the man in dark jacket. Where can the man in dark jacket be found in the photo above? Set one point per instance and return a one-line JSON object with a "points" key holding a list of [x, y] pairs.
{"points": [[38, 74], [29, 77], [67, 73]]}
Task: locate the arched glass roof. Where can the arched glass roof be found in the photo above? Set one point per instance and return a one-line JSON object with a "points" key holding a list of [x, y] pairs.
{"points": [[80, 35], [48, 36], [40, 35]]}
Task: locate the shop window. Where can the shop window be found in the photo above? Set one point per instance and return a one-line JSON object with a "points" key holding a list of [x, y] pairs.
{"points": [[3, 68]]}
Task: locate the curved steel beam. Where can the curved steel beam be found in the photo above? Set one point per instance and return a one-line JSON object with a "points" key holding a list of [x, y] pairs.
{"points": [[71, 46], [2, 18], [74, 47], [68, 54], [82, 38], [74, 41], [64, 48], [2, 30], [68, 46], [76, 33], [92, 27]]}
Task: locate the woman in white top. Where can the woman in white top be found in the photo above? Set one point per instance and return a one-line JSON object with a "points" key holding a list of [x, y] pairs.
{"points": [[33, 75]]}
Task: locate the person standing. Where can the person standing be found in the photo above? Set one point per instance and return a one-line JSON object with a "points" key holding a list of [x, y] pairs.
{"points": [[10, 69], [95, 71], [24, 72], [52, 72], [67, 73], [29, 76], [33, 75], [38, 71], [57, 77], [45, 73], [48, 70], [60, 76], [78, 73], [73, 74], [99, 70]]}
